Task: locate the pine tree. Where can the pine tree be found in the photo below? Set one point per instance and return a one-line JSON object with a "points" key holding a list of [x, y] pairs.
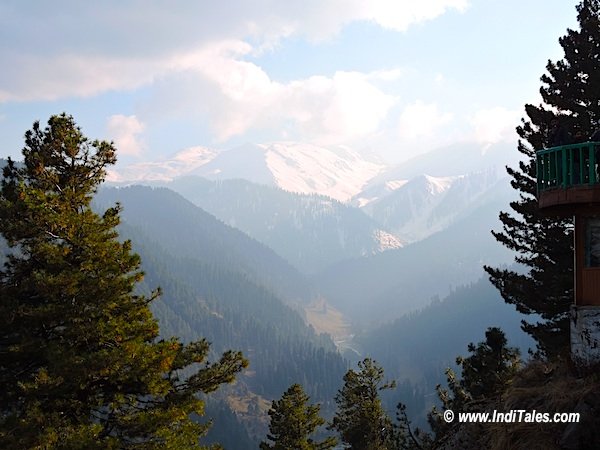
{"points": [[485, 374], [293, 421], [489, 367], [404, 438], [360, 419], [81, 362], [571, 93]]}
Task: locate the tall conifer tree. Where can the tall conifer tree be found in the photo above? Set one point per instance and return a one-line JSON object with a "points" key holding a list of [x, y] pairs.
{"points": [[293, 421], [486, 372], [81, 365], [360, 419], [571, 93]]}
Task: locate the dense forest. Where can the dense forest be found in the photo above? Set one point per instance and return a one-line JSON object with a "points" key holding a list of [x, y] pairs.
{"points": [[325, 230], [131, 317]]}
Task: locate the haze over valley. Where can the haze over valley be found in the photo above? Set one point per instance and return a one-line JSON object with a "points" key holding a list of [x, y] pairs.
{"points": [[383, 263], [283, 225]]}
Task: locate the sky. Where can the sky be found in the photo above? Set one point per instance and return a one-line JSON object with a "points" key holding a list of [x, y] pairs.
{"points": [[395, 78]]}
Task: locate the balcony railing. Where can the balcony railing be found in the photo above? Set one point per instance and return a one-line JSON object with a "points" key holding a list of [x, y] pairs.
{"points": [[568, 165]]}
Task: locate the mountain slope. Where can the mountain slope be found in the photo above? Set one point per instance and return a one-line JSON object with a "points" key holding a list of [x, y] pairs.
{"points": [[247, 162], [201, 300], [336, 172], [454, 160], [191, 232], [310, 231], [417, 348], [391, 283], [434, 335], [425, 204], [182, 163]]}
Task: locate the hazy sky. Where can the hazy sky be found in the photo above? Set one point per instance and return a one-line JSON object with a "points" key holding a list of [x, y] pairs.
{"points": [[398, 77]]}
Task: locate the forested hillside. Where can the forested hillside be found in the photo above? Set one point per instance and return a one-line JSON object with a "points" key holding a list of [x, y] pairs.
{"points": [[397, 281], [207, 295], [417, 348], [314, 225], [189, 231], [310, 231], [425, 205], [232, 311]]}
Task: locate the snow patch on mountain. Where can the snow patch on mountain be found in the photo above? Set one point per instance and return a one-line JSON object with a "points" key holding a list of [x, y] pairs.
{"points": [[426, 204], [437, 185], [376, 192], [392, 185], [337, 172], [308, 169], [387, 241], [183, 163]]}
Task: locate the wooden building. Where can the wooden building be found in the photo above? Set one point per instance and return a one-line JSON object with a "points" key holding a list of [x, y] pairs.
{"points": [[569, 185]]}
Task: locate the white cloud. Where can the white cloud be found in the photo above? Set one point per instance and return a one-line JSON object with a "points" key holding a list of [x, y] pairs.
{"points": [[337, 109], [51, 77], [400, 15], [235, 96], [421, 120], [494, 125], [194, 58], [124, 131], [72, 48]]}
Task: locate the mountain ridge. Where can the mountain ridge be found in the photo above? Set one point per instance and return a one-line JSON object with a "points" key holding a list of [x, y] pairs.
{"points": [[392, 283], [337, 172], [192, 232], [310, 231]]}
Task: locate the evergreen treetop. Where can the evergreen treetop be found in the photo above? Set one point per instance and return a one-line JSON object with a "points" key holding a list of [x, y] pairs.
{"points": [[360, 420], [293, 421], [82, 363], [485, 374], [571, 94]]}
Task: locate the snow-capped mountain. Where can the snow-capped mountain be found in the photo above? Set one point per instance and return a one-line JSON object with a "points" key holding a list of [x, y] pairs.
{"points": [[425, 204], [454, 160], [399, 280], [182, 163], [374, 192], [310, 231], [336, 172]]}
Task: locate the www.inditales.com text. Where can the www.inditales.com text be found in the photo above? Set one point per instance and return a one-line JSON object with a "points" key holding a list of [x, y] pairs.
{"points": [[512, 416]]}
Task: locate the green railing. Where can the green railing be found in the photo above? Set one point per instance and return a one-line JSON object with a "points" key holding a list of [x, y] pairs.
{"points": [[568, 165]]}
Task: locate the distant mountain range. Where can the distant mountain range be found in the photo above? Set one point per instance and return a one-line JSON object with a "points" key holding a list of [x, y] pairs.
{"points": [[191, 232], [406, 203], [394, 282], [338, 172], [286, 199], [314, 231], [310, 231], [423, 205]]}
